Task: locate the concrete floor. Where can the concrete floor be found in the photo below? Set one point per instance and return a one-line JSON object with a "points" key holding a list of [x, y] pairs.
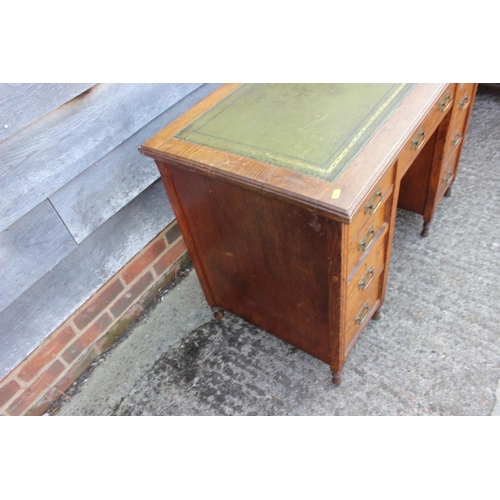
{"points": [[436, 350]]}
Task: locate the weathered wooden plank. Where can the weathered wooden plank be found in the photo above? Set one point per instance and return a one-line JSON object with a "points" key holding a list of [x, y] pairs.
{"points": [[42, 158], [23, 103], [29, 248], [99, 192], [27, 321]]}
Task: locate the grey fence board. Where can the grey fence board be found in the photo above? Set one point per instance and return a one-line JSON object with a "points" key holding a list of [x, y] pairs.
{"points": [[31, 247], [23, 103], [27, 321], [99, 192], [43, 157]]}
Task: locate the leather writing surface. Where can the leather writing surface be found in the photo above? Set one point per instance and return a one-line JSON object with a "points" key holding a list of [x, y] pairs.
{"points": [[316, 129]]}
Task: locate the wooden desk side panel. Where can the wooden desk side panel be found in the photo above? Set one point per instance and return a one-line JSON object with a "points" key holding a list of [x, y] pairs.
{"points": [[263, 259]]}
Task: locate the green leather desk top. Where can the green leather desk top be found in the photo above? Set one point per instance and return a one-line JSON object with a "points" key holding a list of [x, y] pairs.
{"points": [[315, 129]]}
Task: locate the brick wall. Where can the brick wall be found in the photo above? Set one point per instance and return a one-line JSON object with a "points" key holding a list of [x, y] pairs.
{"points": [[49, 370]]}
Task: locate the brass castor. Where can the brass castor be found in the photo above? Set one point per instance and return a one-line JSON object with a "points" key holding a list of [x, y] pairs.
{"points": [[425, 230], [336, 379], [218, 313], [377, 315], [448, 192]]}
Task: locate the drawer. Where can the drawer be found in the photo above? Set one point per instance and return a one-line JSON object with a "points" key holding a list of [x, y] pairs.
{"points": [[455, 135], [464, 96], [424, 131], [362, 275], [458, 124], [447, 175], [364, 241], [360, 311], [373, 204]]}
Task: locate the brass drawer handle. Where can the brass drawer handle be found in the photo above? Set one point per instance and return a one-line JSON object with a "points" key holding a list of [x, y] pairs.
{"points": [[464, 102], [448, 177], [446, 102], [367, 240], [372, 205], [366, 279], [362, 314], [456, 139], [418, 140]]}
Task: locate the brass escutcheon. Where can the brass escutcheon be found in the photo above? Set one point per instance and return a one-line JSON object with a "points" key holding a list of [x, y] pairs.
{"points": [[372, 205], [366, 279], [367, 240], [448, 177], [456, 139], [418, 140], [464, 102], [446, 102], [362, 314]]}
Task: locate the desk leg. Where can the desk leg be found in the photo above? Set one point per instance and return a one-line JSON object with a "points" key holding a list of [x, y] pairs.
{"points": [[448, 192], [425, 229], [218, 313], [336, 378]]}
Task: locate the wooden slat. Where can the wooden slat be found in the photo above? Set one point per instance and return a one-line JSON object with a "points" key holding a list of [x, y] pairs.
{"points": [[42, 158], [31, 247], [26, 322], [23, 103], [167, 133], [99, 192]]}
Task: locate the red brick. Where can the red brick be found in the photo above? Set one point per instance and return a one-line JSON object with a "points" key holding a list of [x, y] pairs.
{"points": [[82, 342], [71, 375], [118, 328], [64, 384], [169, 258], [51, 374], [27, 397], [132, 313], [7, 391], [98, 304], [32, 393], [42, 405], [135, 291], [143, 261], [47, 353]]}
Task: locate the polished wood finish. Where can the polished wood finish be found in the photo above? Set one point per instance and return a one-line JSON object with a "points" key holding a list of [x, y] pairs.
{"points": [[284, 291], [301, 257], [430, 176]]}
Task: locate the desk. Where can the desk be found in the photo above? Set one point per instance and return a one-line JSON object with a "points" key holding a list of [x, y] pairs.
{"points": [[287, 197]]}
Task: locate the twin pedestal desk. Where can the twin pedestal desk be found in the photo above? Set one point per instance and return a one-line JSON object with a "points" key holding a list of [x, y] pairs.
{"points": [[286, 195]]}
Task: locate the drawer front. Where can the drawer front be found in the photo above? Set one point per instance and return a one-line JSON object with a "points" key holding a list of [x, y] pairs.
{"points": [[464, 96], [446, 176], [363, 243], [361, 278], [373, 205], [458, 123], [424, 131], [455, 135], [360, 311]]}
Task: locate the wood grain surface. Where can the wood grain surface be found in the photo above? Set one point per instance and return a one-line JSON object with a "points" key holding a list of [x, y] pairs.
{"points": [[264, 261], [29, 319], [39, 160], [31, 247], [95, 195], [21, 104]]}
